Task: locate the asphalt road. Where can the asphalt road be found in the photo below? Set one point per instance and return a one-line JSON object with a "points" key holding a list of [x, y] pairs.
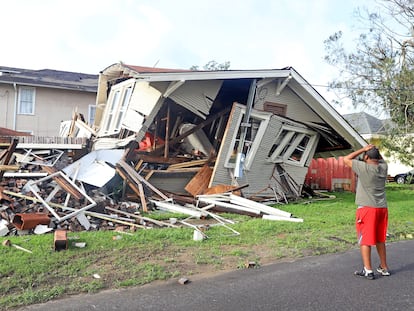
{"points": [[316, 283]]}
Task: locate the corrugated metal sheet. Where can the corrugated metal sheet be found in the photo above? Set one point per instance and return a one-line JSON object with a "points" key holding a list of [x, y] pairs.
{"points": [[330, 174]]}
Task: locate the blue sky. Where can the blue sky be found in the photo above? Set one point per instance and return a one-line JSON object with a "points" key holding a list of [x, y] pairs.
{"points": [[87, 36]]}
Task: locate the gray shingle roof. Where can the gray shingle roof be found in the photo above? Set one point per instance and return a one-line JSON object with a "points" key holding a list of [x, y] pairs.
{"points": [[49, 78], [365, 123]]}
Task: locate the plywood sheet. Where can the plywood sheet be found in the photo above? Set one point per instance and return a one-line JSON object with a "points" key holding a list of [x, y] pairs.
{"points": [[200, 181]]}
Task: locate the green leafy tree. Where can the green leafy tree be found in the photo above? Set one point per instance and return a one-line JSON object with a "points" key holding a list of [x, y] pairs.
{"points": [[378, 71], [213, 66]]}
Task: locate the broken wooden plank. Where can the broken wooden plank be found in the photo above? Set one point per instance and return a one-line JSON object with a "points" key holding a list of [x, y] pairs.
{"points": [[200, 181], [3, 196], [142, 197], [7, 157], [132, 185], [4, 167], [63, 182], [187, 164], [218, 189], [138, 178]]}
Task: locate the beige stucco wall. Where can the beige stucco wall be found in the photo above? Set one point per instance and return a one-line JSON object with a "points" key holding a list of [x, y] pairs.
{"points": [[6, 106], [51, 107]]}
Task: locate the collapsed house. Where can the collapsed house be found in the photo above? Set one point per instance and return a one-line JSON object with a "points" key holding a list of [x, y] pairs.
{"points": [[257, 129], [184, 141]]}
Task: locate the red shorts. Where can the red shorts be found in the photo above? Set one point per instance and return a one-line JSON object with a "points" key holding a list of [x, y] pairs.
{"points": [[371, 225]]}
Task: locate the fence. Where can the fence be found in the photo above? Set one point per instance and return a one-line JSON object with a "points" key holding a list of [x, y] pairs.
{"points": [[330, 174]]}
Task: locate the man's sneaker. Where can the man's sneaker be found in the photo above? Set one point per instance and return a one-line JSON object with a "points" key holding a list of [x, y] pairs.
{"points": [[383, 271], [363, 273]]}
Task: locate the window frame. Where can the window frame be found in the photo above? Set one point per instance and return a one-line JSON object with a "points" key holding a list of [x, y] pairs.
{"points": [[290, 142], [255, 144], [117, 105], [32, 103], [91, 114]]}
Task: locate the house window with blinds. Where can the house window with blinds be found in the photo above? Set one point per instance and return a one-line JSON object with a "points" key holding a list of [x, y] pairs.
{"points": [[26, 102]]}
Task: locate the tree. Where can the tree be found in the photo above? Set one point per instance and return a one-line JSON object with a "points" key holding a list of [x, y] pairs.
{"points": [[379, 71], [212, 66]]}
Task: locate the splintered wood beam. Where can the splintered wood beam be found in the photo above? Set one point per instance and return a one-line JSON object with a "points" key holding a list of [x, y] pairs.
{"points": [[9, 167], [136, 178], [200, 181], [142, 197], [8, 155], [132, 185]]}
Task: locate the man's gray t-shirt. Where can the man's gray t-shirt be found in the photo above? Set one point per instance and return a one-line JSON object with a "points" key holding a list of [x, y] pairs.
{"points": [[371, 183]]}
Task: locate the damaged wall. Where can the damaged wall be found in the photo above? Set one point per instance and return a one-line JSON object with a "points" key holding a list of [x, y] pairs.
{"points": [[262, 175]]}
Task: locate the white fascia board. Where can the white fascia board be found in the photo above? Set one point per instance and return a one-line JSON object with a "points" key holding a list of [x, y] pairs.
{"points": [[211, 75], [49, 146], [317, 103]]}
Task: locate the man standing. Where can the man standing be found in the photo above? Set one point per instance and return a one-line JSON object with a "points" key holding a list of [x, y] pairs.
{"points": [[372, 211]]}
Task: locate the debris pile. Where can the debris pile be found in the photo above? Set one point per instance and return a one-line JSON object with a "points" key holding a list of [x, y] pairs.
{"points": [[197, 143], [43, 190]]}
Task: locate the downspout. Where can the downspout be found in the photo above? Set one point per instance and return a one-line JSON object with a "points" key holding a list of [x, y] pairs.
{"points": [[238, 170], [15, 107]]}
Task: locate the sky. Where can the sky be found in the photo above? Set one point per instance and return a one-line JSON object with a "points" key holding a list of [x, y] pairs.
{"points": [[89, 35]]}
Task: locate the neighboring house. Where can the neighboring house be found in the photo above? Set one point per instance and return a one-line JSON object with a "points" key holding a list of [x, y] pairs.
{"points": [[371, 127], [36, 101], [367, 125], [261, 128]]}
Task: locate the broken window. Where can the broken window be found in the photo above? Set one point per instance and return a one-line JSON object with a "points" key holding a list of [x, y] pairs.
{"points": [[292, 145], [26, 100], [255, 130]]}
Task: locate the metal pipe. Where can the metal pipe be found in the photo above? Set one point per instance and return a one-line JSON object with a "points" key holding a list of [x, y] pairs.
{"points": [[15, 106]]}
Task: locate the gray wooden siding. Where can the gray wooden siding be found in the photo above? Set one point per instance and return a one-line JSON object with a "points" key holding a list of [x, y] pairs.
{"points": [[197, 96], [261, 170], [296, 108]]}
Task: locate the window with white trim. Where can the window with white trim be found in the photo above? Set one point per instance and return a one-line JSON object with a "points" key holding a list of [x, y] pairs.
{"points": [[117, 105], [124, 105], [91, 114], [292, 145], [26, 102], [257, 126]]}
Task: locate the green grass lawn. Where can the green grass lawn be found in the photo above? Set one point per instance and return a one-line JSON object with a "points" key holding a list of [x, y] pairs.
{"points": [[114, 260]]}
